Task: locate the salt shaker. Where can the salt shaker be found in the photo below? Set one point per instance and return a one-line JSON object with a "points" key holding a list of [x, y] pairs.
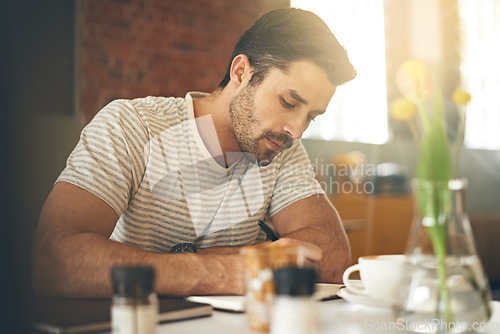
{"points": [[134, 307], [295, 310]]}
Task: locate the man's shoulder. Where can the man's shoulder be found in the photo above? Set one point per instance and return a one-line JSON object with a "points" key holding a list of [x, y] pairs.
{"points": [[156, 103], [149, 104], [151, 110]]}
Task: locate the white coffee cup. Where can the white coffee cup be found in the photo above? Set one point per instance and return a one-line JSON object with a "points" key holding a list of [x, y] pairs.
{"points": [[380, 275]]}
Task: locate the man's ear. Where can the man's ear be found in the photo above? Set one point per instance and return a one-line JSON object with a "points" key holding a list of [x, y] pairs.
{"points": [[240, 70]]}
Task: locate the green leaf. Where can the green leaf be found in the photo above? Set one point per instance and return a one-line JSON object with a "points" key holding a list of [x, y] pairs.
{"points": [[434, 162], [434, 172]]}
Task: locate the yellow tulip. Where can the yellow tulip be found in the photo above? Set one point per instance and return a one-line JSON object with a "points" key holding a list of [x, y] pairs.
{"points": [[414, 80], [461, 97], [402, 109]]}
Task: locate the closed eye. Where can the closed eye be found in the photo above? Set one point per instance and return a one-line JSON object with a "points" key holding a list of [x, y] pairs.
{"points": [[286, 104]]}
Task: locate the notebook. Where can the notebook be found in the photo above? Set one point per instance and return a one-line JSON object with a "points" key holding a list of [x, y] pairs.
{"points": [[324, 291], [69, 316]]}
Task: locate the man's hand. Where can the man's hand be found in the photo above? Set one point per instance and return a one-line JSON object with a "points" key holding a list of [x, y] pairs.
{"points": [[313, 254]]}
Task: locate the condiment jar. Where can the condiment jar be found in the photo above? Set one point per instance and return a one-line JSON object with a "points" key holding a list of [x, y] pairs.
{"points": [[295, 310], [134, 307]]}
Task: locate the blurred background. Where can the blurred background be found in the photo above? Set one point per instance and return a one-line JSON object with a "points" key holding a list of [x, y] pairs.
{"points": [[63, 60]]}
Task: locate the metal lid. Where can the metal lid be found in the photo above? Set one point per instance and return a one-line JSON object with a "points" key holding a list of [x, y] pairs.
{"points": [[295, 281], [133, 281]]}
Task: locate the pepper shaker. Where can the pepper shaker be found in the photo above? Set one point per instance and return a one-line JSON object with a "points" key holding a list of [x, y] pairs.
{"points": [[134, 307], [295, 310]]}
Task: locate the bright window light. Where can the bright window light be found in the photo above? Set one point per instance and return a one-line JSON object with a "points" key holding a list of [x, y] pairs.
{"points": [[358, 111], [480, 70]]}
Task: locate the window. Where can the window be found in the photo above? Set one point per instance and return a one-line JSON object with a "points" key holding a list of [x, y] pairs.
{"points": [[358, 111], [480, 70]]}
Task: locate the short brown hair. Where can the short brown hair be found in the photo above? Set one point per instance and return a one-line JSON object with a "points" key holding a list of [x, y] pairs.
{"points": [[289, 34]]}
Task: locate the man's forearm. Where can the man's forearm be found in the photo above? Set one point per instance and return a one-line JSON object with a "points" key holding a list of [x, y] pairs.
{"points": [[80, 267], [336, 252], [314, 219], [220, 250]]}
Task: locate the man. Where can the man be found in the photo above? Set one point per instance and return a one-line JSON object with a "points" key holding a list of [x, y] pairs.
{"points": [[155, 175]]}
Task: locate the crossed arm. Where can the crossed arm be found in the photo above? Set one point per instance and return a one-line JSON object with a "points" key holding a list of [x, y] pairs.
{"points": [[72, 252]]}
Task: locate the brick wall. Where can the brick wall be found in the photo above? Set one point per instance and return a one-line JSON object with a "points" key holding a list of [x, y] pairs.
{"points": [[135, 48]]}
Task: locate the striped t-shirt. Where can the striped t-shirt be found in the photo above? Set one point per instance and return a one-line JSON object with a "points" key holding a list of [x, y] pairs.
{"points": [[146, 159]]}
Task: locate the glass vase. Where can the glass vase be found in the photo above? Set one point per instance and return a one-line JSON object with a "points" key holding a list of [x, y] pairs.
{"points": [[444, 288]]}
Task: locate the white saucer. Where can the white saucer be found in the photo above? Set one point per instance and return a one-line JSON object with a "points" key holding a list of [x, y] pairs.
{"points": [[356, 298]]}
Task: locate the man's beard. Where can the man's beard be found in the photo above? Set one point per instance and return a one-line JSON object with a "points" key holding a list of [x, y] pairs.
{"points": [[246, 129]]}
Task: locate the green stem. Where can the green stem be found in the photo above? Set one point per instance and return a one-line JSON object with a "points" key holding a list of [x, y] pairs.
{"points": [[414, 130], [435, 207], [459, 141], [423, 116], [439, 244]]}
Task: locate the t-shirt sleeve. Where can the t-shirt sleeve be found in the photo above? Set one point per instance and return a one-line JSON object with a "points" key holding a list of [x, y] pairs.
{"points": [[296, 179], [109, 156]]}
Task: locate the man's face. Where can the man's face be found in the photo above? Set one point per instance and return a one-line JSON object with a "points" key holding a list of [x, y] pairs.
{"points": [[268, 118]]}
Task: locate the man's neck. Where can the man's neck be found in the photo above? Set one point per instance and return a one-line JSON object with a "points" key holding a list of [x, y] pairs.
{"points": [[216, 105]]}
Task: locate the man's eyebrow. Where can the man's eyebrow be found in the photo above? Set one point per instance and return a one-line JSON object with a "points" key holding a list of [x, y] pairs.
{"points": [[299, 98]]}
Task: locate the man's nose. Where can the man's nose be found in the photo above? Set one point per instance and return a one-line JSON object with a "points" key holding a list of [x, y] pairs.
{"points": [[295, 127]]}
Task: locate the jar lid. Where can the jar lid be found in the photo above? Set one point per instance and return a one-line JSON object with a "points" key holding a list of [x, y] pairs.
{"points": [[133, 281], [295, 281]]}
